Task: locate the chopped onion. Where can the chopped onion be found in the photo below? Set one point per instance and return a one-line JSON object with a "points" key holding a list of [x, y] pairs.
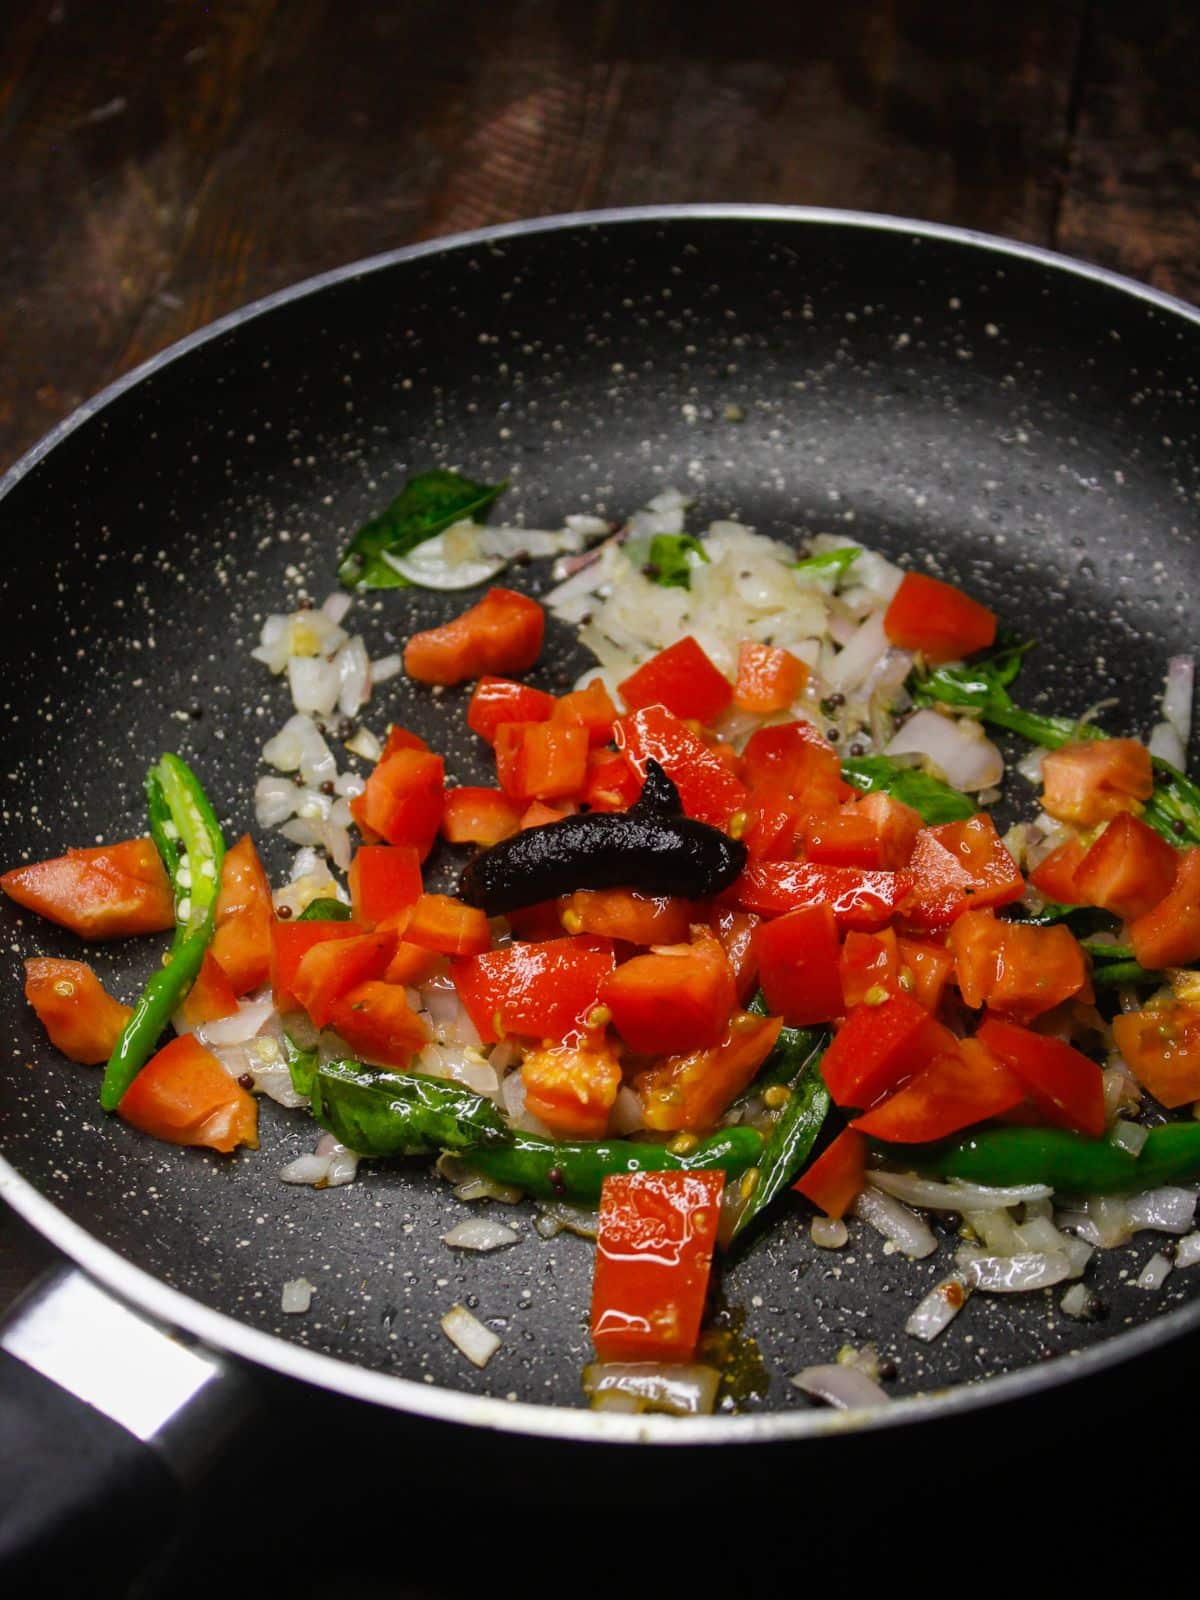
{"points": [[274, 801], [1166, 1210], [937, 1310], [1128, 1136], [336, 605], [472, 1186], [354, 676], [957, 746], [956, 1196], [852, 665], [896, 1222], [1187, 1251], [1080, 1302], [628, 1114], [685, 1390], [1177, 699], [1155, 1273], [306, 1169], [1017, 1274], [1030, 765], [445, 562], [845, 1387], [1164, 743], [297, 1296], [828, 1233], [314, 685], [245, 1023], [384, 668], [555, 1216], [478, 1233], [468, 1334]]}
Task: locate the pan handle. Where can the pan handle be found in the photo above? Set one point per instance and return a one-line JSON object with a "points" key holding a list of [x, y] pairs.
{"points": [[107, 1419]]}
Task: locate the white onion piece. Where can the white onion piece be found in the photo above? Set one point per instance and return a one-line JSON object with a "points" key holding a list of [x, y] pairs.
{"points": [[1165, 743], [348, 785], [896, 1222], [828, 1233], [556, 1216], [275, 1081], [537, 543], [299, 745], [628, 1114], [1177, 698], [1104, 1221], [1078, 1301], [852, 665], [297, 1296], [1039, 1233], [935, 1312], [958, 747], [996, 1230], [1019, 1274], [354, 676], [274, 801], [955, 1196], [686, 1390], [306, 1169], [336, 605], [1128, 1136], [385, 668], [333, 840], [1187, 1251], [468, 1334], [1030, 766], [1166, 1210], [449, 560], [845, 1387], [478, 1233], [314, 685], [244, 1024], [1155, 1273]]}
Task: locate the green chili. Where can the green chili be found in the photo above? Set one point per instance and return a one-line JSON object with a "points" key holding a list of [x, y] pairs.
{"points": [[1067, 1161], [557, 1170], [185, 829], [401, 1113], [793, 1135]]}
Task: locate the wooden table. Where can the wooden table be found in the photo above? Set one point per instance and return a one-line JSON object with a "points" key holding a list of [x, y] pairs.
{"points": [[162, 163]]}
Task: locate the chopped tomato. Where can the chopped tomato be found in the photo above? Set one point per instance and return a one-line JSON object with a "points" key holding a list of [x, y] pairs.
{"points": [[479, 816], [806, 764], [399, 738], [771, 820], [540, 991], [769, 678], [497, 700], [707, 788], [684, 680], [610, 783], [928, 966], [836, 1177], [1017, 969], [872, 831], [673, 1001], [377, 1022], [81, 1017], [501, 634], [870, 965], [624, 914], [1128, 869], [539, 814], [1168, 935], [184, 1095], [331, 968], [439, 922], [413, 964], [691, 1091], [735, 930], [538, 922], [1065, 1086], [402, 802], [1055, 875], [541, 760], [1162, 1048], [1095, 779], [241, 944], [862, 900], [590, 708], [957, 866], [877, 1047], [654, 1252], [571, 1088], [384, 879], [110, 891], [211, 996], [937, 619], [290, 943], [956, 1089], [799, 966]]}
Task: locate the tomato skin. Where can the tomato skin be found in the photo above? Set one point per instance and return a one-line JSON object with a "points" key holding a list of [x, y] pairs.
{"points": [[1013, 968], [590, 708], [861, 900], [683, 679], [80, 1016], [735, 930], [640, 919], [412, 965], [873, 831], [1055, 875], [799, 966], [835, 1179], [956, 1089], [772, 823], [541, 760], [869, 962], [876, 1048], [572, 1088], [496, 700], [1168, 935], [184, 1095], [957, 866], [1161, 1045], [441, 923], [540, 991], [929, 966], [707, 788], [1065, 1086], [242, 919], [211, 996], [290, 942], [1128, 869], [108, 891], [769, 678], [377, 1022], [384, 879], [610, 783], [691, 1091], [796, 756], [672, 1003], [654, 1253], [331, 968], [937, 619], [1092, 780], [500, 635], [403, 799]]}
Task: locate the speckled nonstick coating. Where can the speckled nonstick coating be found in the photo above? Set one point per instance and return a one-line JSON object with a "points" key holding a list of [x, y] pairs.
{"points": [[1016, 424]]}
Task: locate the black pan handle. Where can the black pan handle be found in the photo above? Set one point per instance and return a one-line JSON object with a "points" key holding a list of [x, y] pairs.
{"points": [[106, 1420]]}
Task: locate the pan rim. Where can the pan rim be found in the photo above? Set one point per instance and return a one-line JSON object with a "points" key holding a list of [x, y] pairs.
{"points": [[179, 1311]]}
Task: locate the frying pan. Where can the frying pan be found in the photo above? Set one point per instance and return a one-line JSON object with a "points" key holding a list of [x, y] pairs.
{"points": [[1019, 423]]}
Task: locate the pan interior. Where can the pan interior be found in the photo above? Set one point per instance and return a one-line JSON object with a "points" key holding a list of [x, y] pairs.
{"points": [[1021, 429]]}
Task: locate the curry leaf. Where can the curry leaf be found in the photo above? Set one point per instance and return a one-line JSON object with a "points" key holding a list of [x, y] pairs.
{"points": [[830, 563], [936, 801], [664, 558], [427, 505]]}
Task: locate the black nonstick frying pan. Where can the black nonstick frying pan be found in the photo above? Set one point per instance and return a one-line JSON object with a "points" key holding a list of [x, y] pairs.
{"points": [[1022, 424]]}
